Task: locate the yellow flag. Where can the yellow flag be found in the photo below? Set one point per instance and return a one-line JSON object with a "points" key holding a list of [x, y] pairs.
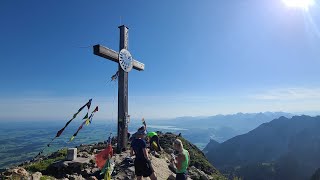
{"points": [[107, 176], [71, 138], [87, 121]]}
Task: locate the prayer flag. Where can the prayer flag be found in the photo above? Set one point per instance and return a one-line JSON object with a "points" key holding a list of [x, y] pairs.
{"points": [[75, 134], [75, 115], [71, 139], [95, 110], [107, 175], [60, 132], [115, 76], [87, 121], [89, 104], [86, 117], [103, 156], [105, 167]]}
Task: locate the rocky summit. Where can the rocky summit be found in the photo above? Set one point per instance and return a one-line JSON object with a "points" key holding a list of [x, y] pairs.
{"points": [[56, 165]]}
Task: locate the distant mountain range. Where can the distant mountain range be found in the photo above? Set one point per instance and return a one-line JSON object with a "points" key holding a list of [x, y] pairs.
{"points": [[239, 121], [199, 130], [285, 148]]}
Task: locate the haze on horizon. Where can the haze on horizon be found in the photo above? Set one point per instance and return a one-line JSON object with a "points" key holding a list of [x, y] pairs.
{"points": [[202, 59]]}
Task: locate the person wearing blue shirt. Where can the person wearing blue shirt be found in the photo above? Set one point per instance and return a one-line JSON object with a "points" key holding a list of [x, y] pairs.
{"points": [[142, 164]]}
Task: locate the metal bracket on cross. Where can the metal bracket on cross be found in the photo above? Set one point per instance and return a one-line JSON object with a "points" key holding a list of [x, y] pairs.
{"points": [[114, 56]]}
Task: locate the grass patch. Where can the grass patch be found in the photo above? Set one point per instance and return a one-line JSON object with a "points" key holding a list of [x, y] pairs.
{"points": [[46, 178], [41, 166]]}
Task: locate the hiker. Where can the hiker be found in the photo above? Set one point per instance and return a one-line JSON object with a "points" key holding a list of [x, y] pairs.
{"points": [[152, 137], [154, 141], [142, 163], [133, 136], [142, 128], [181, 161]]}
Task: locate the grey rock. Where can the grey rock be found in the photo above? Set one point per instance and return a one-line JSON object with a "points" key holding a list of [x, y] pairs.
{"points": [[76, 177], [171, 177], [93, 170], [169, 150], [18, 171], [84, 154], [36, 176], [92, 178], [197, 174], [61, 168]]}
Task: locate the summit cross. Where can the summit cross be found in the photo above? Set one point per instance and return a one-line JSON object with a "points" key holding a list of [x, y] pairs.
{"points": [[125, 64]]}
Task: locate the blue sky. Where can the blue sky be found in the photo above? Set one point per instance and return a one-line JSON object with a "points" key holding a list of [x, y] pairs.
{"points": [[202, 57]]}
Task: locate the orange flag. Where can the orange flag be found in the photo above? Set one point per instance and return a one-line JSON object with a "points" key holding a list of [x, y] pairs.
{"points": [[102, 157]]}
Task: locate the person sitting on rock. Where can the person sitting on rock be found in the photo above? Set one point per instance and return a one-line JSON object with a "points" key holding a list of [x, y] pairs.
{"points": [[142, 163], [152, 137], [154, 141], [181, 161]]}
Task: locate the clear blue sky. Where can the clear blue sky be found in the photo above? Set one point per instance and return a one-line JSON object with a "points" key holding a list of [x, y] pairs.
{"points": [[202, 57]]}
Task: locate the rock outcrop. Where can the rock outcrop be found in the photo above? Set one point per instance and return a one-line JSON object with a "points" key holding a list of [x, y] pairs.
{"points": [[55, 166]]}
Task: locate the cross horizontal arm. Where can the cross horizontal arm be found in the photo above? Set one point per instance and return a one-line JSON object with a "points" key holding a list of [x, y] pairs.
{"points": [[114, 56]]}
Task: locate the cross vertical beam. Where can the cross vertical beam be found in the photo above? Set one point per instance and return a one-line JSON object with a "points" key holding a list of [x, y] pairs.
{"points": [[122, 95], [122, 84]]}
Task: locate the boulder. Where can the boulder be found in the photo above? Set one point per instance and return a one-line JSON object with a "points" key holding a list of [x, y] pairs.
{"points": [[36, 176], [171, 177], [93, 170], [17, 171], [84, 154], [197, 174], [75, 177], [92, 178], [78, 166]]}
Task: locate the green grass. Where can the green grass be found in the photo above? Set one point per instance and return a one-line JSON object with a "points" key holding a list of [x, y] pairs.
{"points": [[41, 166], [47, 178]]}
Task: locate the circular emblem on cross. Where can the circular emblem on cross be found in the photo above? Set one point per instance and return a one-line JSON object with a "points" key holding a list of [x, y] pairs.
{"points": [[125, 60]]}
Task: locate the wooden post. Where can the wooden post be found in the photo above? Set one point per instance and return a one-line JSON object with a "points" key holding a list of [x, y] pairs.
{"points": [[122, 96]]}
